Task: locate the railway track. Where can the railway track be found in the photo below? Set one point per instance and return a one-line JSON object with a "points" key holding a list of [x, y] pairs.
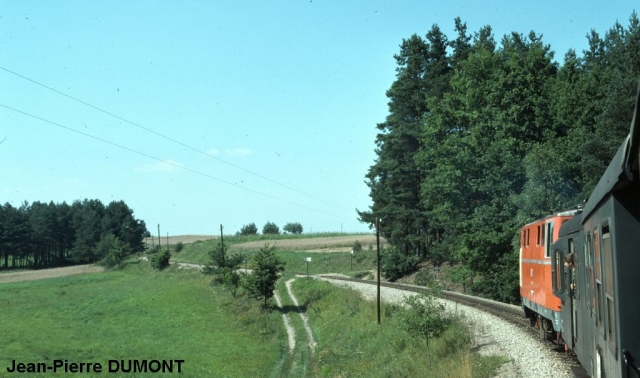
{"points": [[508, 313]]}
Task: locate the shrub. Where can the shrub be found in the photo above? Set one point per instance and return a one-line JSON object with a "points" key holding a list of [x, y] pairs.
{"points": [[112, 250], [222, 266], [460, 274], [424, 277], [270, 228], [249, 229], [160, 260], [357, 247], [267, 266], [178, 247], [426, 317], [294, 228], [396, 264]]}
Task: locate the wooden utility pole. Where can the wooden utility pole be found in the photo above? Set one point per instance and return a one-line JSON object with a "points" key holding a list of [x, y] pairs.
{"points": [[378, 258], [222, 244], [159, 239], [167, 241]]}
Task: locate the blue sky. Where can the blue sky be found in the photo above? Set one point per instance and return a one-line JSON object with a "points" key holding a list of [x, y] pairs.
{"points": [[288, 90]]}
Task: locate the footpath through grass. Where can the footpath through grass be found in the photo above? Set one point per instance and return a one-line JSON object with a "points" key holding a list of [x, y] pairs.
{"points": [[351, 344], [138, 313]]}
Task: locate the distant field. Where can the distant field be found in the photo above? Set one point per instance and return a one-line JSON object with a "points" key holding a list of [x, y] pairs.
{"points": [[32, 275], [317, 244], [248, 245], [184, 239]]}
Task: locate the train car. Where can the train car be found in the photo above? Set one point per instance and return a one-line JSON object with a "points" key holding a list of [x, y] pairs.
{"points": [[600, 292], [536, 293]]}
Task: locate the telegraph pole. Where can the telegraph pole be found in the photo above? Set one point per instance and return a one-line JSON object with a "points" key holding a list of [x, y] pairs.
{"points": [[222, 243], [378, 258], [159, 239]]}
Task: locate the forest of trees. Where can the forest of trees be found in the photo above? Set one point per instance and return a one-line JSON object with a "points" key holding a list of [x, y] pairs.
{"points": [[483, 137], [41, 235]]}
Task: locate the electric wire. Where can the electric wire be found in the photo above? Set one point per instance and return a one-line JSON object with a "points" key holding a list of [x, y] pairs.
{"points": [[168, 162], [169, 138]]}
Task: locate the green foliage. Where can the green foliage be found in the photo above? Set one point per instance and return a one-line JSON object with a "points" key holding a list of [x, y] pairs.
{"points": [[357, 247], [396, 264], [426, 318], [111, 250], [223, 265], [266, 267], [160, 260], [293, 228], [490, 136], [42, 235], [270, 228], [249, 229], [460, 274], [500, 282], [178, 247], [425, 277]]}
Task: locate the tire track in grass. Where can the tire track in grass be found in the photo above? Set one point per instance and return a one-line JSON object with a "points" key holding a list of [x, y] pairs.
{"points": [[303, 316], [291, 333]]}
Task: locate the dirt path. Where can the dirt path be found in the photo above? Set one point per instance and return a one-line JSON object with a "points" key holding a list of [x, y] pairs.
{"points": [[291, 333], [32, 275], [305, 319]]}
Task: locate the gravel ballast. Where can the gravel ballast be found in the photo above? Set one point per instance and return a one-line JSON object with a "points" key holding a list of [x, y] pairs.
{"points": [[491, 336]]}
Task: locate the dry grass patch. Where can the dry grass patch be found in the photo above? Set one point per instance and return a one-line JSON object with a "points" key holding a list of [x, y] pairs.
{"points": [[32, 275]]}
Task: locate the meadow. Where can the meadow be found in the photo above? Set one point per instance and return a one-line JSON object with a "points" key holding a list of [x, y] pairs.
{"points": [[138, 313]]}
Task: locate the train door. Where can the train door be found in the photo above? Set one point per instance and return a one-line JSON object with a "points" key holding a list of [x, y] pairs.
{"points": [[573, 289]]}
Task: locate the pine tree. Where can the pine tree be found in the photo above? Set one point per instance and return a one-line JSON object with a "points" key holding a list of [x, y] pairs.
{"points": [[266, 268]]}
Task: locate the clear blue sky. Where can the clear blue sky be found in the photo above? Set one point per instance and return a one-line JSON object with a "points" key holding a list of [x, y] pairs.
{"points": [[289, 90]]}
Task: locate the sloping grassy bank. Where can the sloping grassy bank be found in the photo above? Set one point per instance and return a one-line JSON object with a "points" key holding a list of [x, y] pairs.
{"points": [[350, 343], [138, 313]]}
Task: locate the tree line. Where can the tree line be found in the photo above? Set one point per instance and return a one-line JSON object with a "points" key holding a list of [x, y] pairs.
{"points": [[44, 235], [483, 137]]}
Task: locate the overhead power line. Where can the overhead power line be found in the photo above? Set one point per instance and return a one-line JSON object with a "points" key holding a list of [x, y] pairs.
{"points": [[169, 138], [168, 162]]}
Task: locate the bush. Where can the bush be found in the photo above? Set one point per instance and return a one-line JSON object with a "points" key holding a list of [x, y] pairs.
{"points": [[160, 260], [357, 247], [460, 274], [112, 250], [249, 229], [178, 247], [396, 264], [424, 277], [270, 228], [266, 268], [501, 282], [426, 319], [294, 228], [222, 266]]}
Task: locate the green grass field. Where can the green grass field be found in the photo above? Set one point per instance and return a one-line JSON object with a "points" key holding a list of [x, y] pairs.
{"points": [[138, 313]]}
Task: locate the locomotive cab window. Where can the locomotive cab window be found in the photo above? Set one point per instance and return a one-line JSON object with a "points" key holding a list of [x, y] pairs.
{"points": [[557, 272]]}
